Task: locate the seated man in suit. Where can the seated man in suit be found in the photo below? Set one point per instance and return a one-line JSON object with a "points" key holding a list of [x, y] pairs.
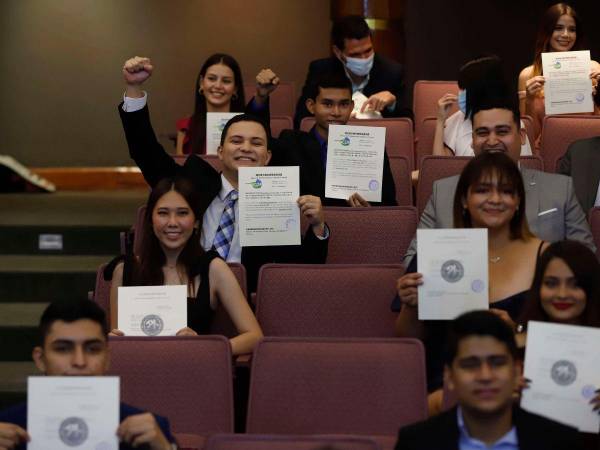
{"points": [[553, 212], [244, 142], [482, 371], [74, 342], [378, 78], [329, 99]]}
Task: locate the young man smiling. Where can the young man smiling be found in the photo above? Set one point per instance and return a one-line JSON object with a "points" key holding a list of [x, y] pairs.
{"points": [[483, 373]]}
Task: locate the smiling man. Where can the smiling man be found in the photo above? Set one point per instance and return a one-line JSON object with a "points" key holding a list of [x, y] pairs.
{"points": [[483, 373]]}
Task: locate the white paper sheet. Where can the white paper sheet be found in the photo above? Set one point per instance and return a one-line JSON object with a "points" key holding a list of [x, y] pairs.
{"points": [[215, 122], [563, 364], [568, 86], [72, 412], [359, 99], [268, 208], [152, 310], [454, 265], [355, 162]]}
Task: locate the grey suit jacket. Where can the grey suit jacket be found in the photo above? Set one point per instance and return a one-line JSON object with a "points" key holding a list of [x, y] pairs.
{"points": [[553, 213], [582, 164]]}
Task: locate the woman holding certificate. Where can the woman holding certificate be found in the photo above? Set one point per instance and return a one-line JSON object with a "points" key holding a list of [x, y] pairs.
{"points": [[560, 31], [171, 255]]}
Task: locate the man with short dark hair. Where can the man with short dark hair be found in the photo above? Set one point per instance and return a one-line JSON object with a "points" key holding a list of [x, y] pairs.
{"points": [[483, 373], [380, 79], [73, 342]]}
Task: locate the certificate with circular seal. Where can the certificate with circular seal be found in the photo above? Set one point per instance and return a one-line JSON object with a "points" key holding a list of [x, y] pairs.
{"points": [[152, 310], [563, 364], [73, 413], [454, 265]]}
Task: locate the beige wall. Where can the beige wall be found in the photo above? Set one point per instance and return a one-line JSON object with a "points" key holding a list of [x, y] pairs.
{"points": [[60, 70]]}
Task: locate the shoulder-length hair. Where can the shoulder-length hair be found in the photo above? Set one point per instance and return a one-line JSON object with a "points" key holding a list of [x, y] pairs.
{"points": [[546, 28], [148, 268], [485, 166], [586, 269], [197, 130]]}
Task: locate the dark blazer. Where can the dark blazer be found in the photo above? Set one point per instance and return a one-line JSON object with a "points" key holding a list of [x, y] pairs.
{"points": [[533, 432], [17, 415], [156, 164], [298, 148], [582, 164], [386, 75]]}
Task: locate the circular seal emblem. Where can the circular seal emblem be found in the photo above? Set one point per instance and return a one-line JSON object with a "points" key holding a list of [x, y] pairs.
{"points": [[346, 141], [290, 223], [73, 431], [588, 391], [563, 372], [373, 185], [579, 97], [152, 325], [557, 65], [477, 285], [452, 271]]}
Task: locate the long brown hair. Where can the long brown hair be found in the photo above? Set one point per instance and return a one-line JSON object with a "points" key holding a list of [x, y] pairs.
{"points": [[546, 28]]}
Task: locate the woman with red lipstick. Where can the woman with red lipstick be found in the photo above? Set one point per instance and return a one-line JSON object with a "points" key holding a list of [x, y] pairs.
{"points": [[171, 254], [560, 31]]}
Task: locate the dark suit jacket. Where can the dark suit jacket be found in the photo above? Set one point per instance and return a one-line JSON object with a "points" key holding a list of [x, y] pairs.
{"points": [[582, 164], [533, 432], [298, 148], [386, 75], [17, 415], [156, 164]]}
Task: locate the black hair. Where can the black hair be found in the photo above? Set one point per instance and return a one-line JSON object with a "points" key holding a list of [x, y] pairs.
{"points": [[349, 27], [244, 118], [328, 80], [478, 323], [484, 68], [70, 311], [493, 95]]}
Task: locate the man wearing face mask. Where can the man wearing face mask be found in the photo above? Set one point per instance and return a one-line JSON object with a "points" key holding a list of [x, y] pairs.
{"points": [[453, 135], [378, 78]]}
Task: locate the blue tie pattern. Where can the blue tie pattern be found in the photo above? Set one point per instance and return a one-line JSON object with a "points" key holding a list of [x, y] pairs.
{"points": [[224, 234]]}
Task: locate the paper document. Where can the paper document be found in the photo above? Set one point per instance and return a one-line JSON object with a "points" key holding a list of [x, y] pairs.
{"points": [[355, 162], [215, 122], [72, 412], [359, 99], [563, 364], [568, 86], [152, 310], [454, 265], [268, 208]]}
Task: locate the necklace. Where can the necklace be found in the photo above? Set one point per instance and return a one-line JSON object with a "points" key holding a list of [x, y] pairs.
{"points": [[495, 259]]}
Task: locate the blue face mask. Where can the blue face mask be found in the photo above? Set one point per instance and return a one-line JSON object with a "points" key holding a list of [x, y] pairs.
{"points": [[462, 101], [360, 66]]}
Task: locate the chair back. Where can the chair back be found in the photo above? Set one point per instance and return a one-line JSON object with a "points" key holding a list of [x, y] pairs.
{"points": [[400, 167], [280, 123], [424, 145], [331, 300], [426, 94], [281, 101], [336, 386], [288, 442]]}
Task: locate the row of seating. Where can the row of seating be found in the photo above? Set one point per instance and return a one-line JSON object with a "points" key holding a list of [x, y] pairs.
{"points": [[299, 386]]}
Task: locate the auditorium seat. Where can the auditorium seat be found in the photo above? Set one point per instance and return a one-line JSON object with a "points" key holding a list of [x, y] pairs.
{"points": [[594, 219], [288, 442], [424, 144], [399, 136], [282, 101], [400, 167], [437, 167], [530, 130], [279, 123], [558, 132], [337, 300], [186, 379], [426, 94], [337, 386]]}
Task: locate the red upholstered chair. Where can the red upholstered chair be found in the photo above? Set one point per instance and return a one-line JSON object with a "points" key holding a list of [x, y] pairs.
{"points": [[399, 136], [424, 145], [401, 172], [214, 161], [560, 131], [594, 219], [369, 235], [186, 379], [426, 94], [338, 300], [101, 293], [530, 130], [337, 386], [282, 100], [279, 123], [288, 442]]}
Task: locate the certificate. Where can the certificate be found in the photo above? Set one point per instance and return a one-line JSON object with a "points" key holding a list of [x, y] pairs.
{"points": [[568, 86], [268, 208], [355, 162], [454, 265], [215, 122], [152, 310], [73, 412], [563, 364]]}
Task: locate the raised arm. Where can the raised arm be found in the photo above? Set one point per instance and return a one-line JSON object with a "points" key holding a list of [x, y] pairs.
{"points": [[444, 105]]}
